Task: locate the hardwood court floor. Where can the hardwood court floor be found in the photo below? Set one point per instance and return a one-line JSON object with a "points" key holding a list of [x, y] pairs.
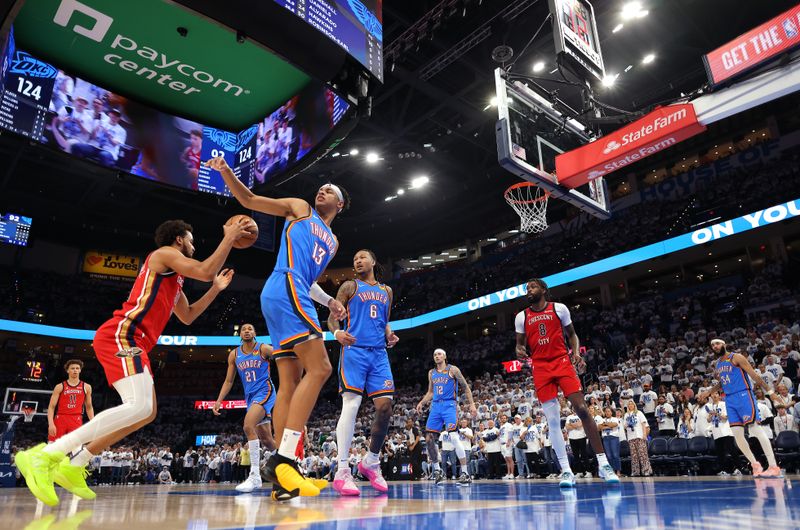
{"points": [[681, 502]]}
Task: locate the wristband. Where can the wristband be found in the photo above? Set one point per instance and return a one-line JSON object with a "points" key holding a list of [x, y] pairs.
{"points": [[318, 295], [335, 332]]}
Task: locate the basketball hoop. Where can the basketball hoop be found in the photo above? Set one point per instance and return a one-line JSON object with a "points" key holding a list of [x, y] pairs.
{"points": [[530, 202], [28, 413]]}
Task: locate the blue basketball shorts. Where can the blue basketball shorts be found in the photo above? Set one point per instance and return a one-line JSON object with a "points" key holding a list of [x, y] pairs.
{"points": [[443, 416], [365, 370], [264, 396], [742, 408], [289, 312]]}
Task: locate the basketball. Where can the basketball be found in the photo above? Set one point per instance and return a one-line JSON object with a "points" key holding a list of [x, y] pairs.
{"points": [[252, 229]]}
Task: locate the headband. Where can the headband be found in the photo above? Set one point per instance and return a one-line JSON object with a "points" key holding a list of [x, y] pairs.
{"points": [[336, 190]]}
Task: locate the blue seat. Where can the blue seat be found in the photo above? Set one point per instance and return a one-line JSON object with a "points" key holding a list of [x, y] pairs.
{"points": [[657, 451], [787, 448], [677, 451]]}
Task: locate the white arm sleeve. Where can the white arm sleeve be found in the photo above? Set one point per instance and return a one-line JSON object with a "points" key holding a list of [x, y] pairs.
{"points": [[318, 295], [519, 322], [563, 314]]}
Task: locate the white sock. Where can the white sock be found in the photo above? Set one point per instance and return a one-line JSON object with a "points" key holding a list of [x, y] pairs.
{"points": [[346, 426], [602, 460], [552, 412], [371, 459], [289, 443], [741, 443], [254, 446], [81, 458], [759, 432]]}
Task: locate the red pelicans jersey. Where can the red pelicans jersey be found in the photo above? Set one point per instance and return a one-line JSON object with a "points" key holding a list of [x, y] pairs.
{"points": [[544, 331], [71, 399]]}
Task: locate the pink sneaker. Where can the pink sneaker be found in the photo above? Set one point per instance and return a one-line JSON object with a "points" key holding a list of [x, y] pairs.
{"points": [[373, 474], [343, 484], [757, 470], [772, 472]]}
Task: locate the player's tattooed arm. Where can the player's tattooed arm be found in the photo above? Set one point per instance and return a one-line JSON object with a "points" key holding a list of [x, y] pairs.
{"points": [[346, 291], [428, 395], [463, 382], [742, 362]]}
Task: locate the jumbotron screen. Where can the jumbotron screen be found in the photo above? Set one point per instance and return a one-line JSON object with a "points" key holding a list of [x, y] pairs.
{"points": [[82, 119], [14, 229], [355, 25]]}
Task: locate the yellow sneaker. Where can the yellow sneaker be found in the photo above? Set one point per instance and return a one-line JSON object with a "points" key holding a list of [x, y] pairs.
{"points": [[290, 479], [73, 479], [38, 467], [321, 484]]}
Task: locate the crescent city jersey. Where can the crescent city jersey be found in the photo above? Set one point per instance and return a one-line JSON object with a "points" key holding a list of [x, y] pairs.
{"points": [[445, 386], [367, 314], [307, 246], [732, 378], [544, 331], [145, 313], [253, 370], [71, 399]]}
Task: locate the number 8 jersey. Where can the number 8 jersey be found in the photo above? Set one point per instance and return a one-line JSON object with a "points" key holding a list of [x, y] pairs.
{"points": [[544, 331]]}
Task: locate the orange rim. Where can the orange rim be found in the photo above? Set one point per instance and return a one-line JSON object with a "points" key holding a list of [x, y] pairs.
{"points": [[545, 194]]}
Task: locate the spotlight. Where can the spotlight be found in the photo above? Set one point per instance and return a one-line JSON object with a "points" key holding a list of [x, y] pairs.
{"points": [[401, 191], [538, 66], [609, 80], [649, 58], [419, 182], [353, 152], [372, 158]]}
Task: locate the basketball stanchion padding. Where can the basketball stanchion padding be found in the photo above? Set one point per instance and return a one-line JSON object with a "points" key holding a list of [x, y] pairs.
{"points": [[530, 203]]}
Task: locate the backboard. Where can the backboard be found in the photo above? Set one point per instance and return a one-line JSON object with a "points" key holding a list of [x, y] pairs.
{"points": [[530, 132], [17, 398]]}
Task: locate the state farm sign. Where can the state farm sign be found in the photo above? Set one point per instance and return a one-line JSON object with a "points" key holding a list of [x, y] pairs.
{"points": [[659, 130]]}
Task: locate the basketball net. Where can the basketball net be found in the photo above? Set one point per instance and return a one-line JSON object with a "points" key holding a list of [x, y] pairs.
{"points": [[28, 414], [530, 203]]}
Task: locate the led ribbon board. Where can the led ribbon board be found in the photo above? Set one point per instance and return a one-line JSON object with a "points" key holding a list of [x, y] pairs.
{"points": [[773, 214]]}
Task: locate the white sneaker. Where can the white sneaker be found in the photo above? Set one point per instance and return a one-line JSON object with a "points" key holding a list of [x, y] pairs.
{"points": [[607, 473], [588, 474], [251, 483], [722, 474], [737, 473], [508, 477], [567, 480]]}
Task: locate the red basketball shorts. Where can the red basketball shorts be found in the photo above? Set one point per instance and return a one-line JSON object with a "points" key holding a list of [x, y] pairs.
{"points": [[549, 376], [65, 424], [106, 346]]}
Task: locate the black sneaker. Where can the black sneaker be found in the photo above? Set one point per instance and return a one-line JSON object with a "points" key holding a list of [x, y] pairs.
{"points": [[438, 476], [464, 480], [279, 493]]}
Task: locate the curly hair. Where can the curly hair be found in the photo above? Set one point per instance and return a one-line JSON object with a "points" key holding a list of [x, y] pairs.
{"points": [[169, 230]]}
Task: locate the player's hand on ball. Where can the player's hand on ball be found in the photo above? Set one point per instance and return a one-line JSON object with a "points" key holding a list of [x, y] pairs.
{"points": [[337, 309], [217, 163], [237, 230], [391, 340], [223, 279], [215, 410], [344, 338]]}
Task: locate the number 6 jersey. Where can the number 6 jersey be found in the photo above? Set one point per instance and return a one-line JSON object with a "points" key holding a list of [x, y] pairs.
{"points": [[367, 314]]}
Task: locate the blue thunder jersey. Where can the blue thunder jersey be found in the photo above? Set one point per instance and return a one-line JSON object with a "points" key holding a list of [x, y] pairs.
{"points": [[445, 386], [307, 246], [732, 378], [367, 315], [253, 370]]}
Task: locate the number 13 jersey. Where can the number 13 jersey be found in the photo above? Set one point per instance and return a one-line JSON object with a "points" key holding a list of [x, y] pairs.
{"points": [[307, 246]]}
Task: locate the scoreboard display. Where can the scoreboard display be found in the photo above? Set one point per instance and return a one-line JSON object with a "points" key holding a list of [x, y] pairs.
{"points": [[14, 229], [576, 36]]}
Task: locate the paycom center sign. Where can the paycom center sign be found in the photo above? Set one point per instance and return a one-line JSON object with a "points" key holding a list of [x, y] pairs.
{"points": [[135, 48]]}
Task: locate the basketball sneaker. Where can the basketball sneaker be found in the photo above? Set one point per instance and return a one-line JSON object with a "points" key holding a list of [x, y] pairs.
{"points": [[38, 467], [438, 476], [343, 483], [757, 469], [73, 479], [374, 475], [607, 473], [772, 472], [251, 483], [566, 480], [283, 472], [464, 479]]}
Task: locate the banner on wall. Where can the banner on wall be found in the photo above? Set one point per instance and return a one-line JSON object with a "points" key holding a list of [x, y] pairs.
{"points": [[110, 265]]}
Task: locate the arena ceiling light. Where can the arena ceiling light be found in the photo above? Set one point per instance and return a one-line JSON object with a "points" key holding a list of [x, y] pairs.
{"points": [[538, 66], [617, 28], [372, 158], [609, 80], [632, 10], [353, 152], [649, 58], [401, 191], [419, 182]]}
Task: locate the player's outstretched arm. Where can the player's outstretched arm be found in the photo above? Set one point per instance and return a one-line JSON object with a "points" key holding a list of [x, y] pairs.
{"points": [[742, 362], [467, 390], [88, 402], [346, 291], [188, 313], [391, 338], [715, 388], [228, 384], [167, 259], [428, 395], [290, 208]]}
